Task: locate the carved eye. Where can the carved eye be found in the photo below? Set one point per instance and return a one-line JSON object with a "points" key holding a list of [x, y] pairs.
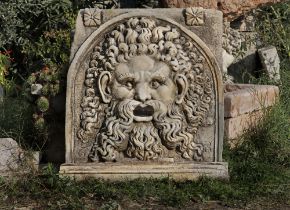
{"points": [[129, 85], [155, 84]]}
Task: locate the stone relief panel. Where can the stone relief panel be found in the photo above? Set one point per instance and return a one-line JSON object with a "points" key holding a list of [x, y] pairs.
{"points": [[148, 90]]}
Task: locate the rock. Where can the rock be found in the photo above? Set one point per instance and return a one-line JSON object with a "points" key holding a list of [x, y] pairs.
{"points": [[237, 126], [246, 98], [230, 8], [228, 59], [11, 155], [14, 159], [271, 62], [231, 48], [32, 159], [36, 157], [232, 40], [36, 89], [247, 24], [244, 105]]}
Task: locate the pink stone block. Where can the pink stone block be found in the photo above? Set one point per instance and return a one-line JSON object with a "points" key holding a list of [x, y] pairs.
{"points": [[236, 126], [245, 98], [244, 104]]}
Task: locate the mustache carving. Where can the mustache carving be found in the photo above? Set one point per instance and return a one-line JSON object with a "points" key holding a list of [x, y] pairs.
{"points": [[122, 137]]}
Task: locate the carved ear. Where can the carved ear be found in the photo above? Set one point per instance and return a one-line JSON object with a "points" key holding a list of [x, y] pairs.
{"points": [[182, 87], [103, 85]]}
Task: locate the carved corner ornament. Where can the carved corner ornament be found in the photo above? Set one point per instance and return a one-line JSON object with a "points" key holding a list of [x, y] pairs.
{"points": [[194, 16], [92, 17]]}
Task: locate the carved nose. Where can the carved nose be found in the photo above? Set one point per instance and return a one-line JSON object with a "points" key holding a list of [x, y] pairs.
{"points": [[142, 94]]}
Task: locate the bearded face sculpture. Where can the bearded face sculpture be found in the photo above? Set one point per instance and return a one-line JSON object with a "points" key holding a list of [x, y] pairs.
{"points": [[147, 94]]}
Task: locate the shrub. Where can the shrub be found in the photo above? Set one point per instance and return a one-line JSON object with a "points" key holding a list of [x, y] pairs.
{"points": [[273, 27], [38, 31], [16, 122], [4, 64], [42, 104]]}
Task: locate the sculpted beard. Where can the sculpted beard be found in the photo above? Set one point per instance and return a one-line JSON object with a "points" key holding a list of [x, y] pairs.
{"points": [[120, 136]]}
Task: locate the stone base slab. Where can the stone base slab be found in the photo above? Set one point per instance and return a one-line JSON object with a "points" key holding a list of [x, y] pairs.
{"points": [[133, 170]]}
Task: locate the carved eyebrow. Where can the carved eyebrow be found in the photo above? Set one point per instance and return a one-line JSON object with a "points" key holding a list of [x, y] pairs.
{"points": [[125, 76], [159, 77]]}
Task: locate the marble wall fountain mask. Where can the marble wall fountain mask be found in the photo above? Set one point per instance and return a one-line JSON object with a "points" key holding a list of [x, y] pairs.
{"points": [[145, 95], [150, 94]]}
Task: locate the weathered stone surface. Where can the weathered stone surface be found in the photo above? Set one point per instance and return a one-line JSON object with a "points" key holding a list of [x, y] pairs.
{"points": [[210, 33], [237, 126], [82, 32], [271, 62], [31, 161], [128, 171], [244, 105], [14, 159], [232, 43], [246, 98], [228, 59], [144, 87], [11, 155], [232, 40], [230, 8]]}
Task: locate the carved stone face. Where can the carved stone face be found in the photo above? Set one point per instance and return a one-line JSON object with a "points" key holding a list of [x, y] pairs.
{"points": [[143, 79], [144, 117]]}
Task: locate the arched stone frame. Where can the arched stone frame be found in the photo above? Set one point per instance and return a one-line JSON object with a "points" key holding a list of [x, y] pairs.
{"points": [[87, 48]]}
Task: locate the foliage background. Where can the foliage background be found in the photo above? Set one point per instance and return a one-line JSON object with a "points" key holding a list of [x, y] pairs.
{"points": [[36, 33]]}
